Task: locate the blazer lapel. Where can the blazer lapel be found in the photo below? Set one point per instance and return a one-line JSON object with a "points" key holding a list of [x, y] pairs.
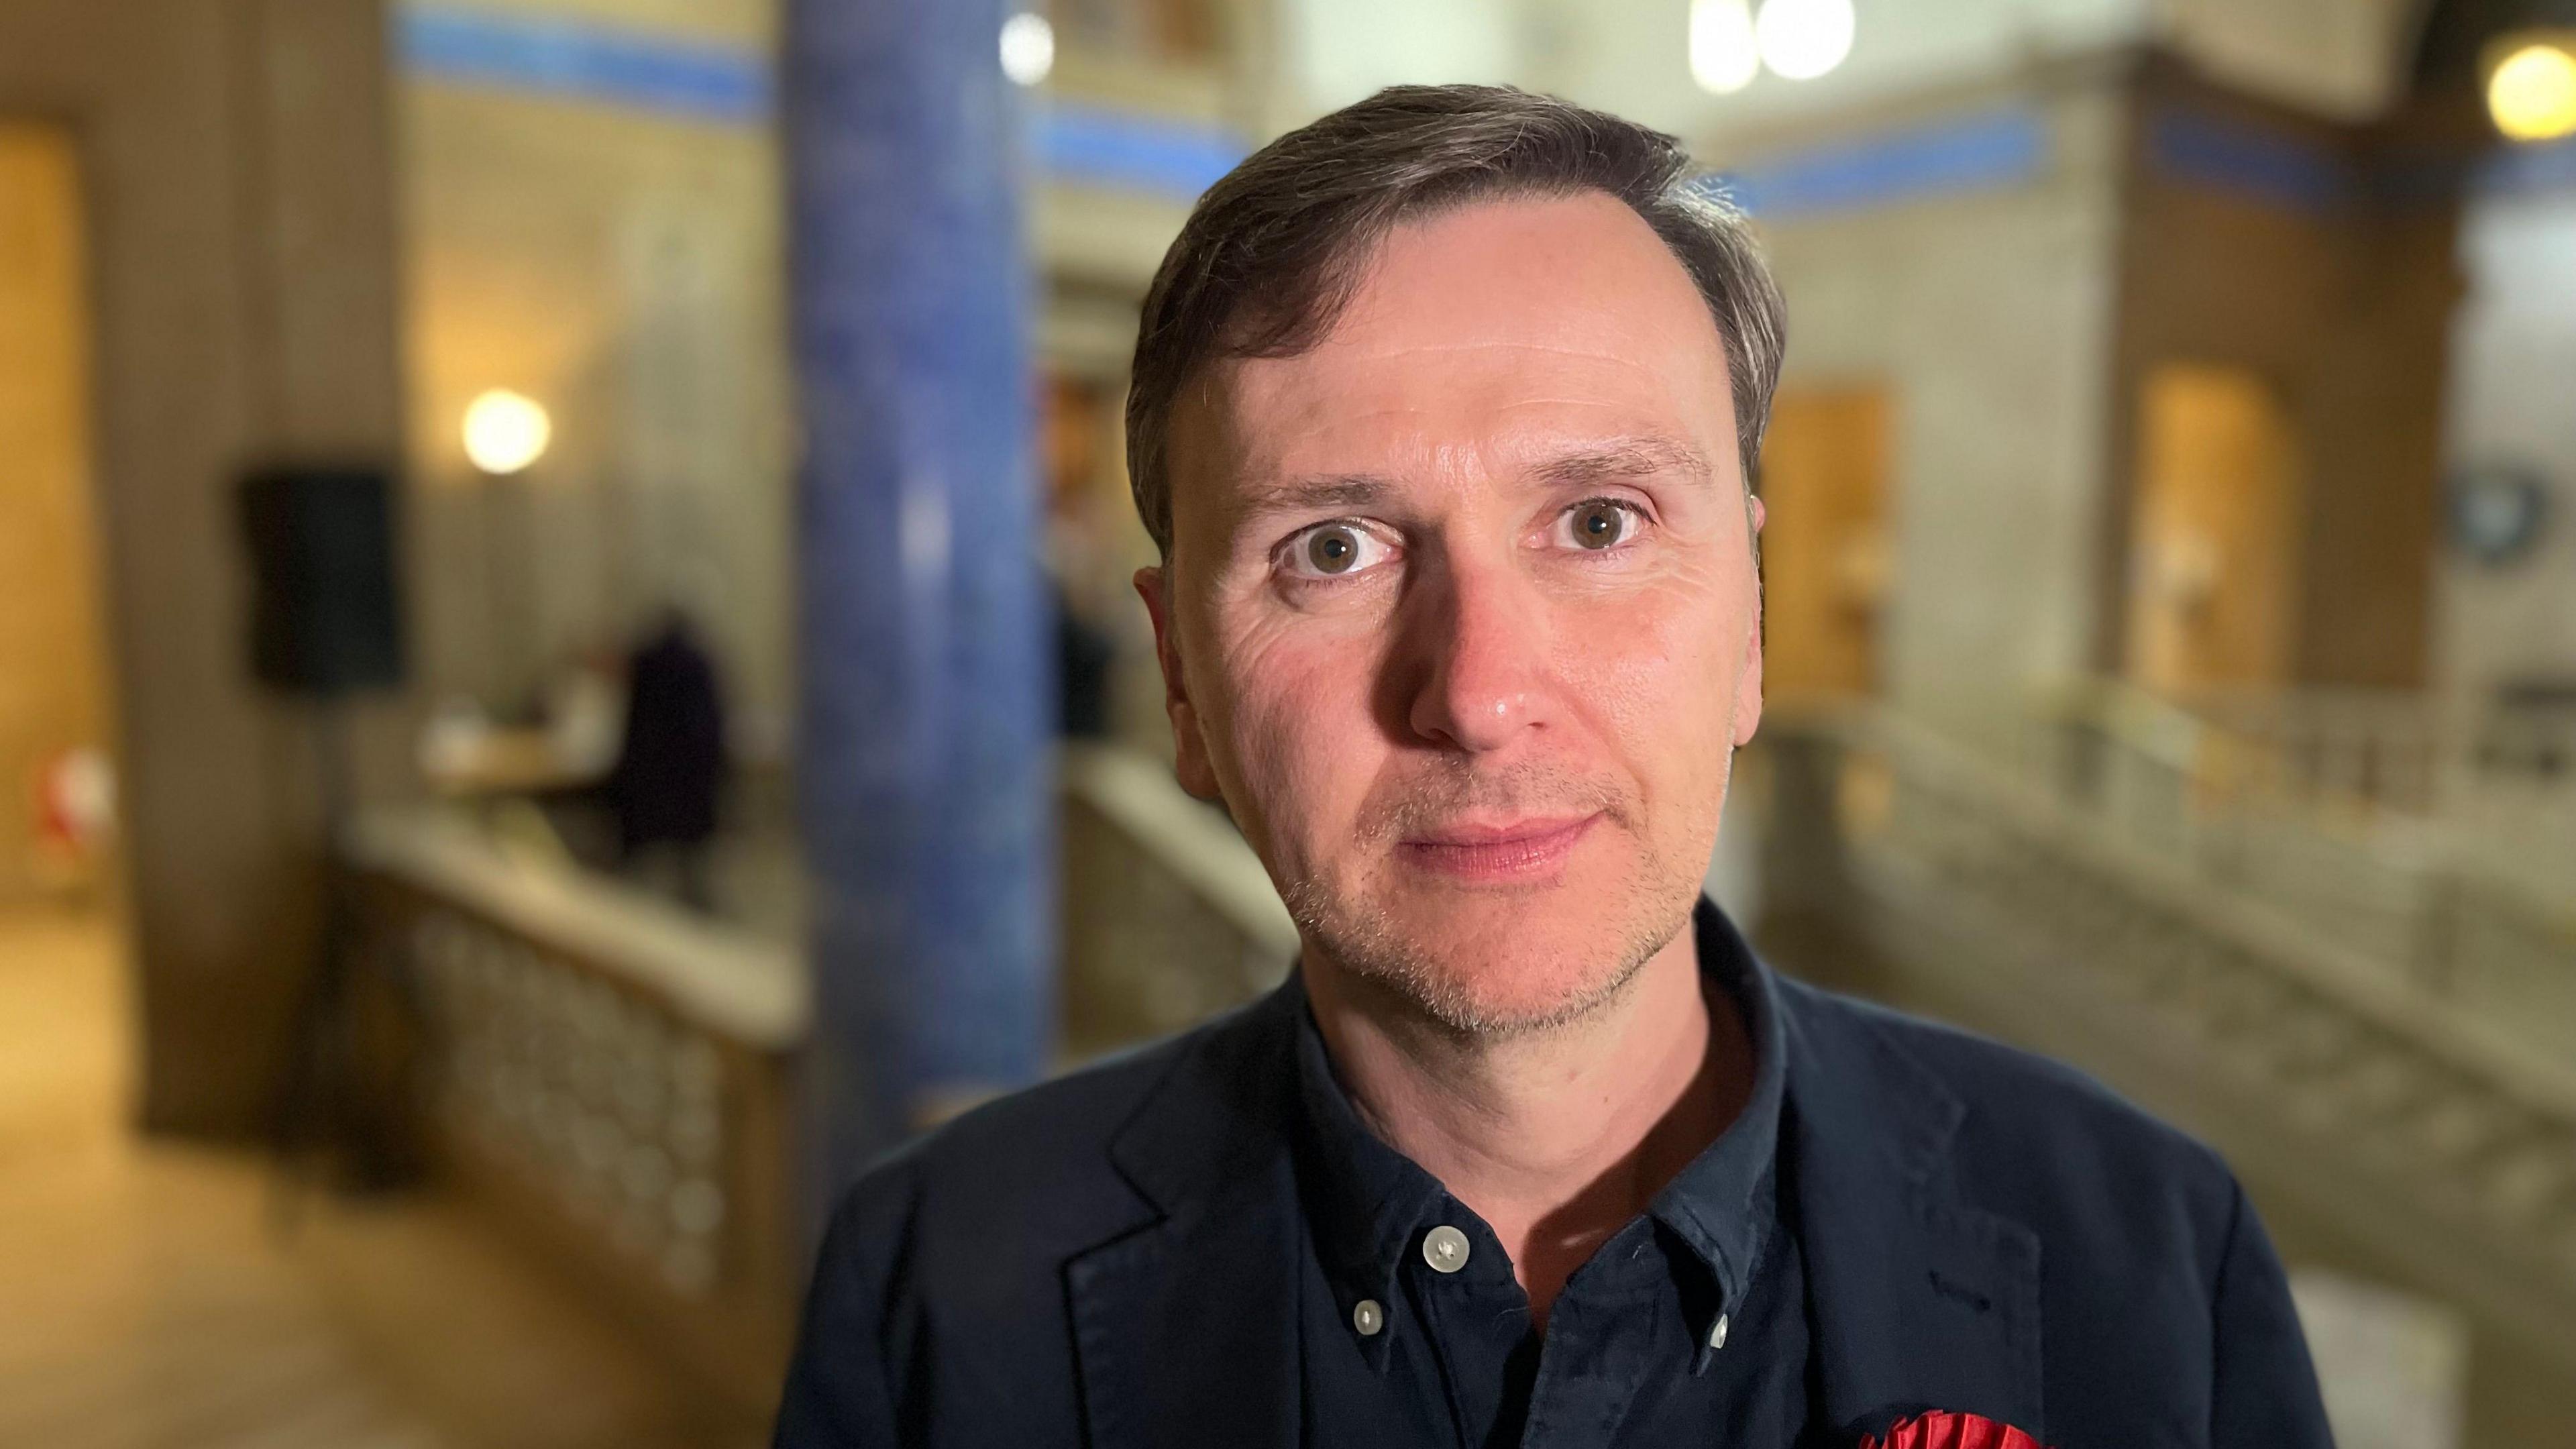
{"points": [[1186, 1327], [1919, 1301]]}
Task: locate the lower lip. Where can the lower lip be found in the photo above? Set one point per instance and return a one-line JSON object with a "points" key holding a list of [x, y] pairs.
{"points": [[1517, 858]]}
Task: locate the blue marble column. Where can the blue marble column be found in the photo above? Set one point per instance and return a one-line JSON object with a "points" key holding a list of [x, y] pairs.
{"points": [[925, 764]]}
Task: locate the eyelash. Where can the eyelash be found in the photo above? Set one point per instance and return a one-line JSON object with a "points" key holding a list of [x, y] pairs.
{"points": [[1289, 547], [1637, 518]]}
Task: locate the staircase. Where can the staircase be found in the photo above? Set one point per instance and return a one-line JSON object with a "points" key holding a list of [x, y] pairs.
{"points": [[2372, 1030]]}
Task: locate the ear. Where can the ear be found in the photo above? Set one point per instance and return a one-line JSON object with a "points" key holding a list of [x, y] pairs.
{"points": [[1748, 686], [1189, 747]]}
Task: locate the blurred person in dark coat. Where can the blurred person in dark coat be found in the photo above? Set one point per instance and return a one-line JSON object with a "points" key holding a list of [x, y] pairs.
{"points": [[667, 783]]}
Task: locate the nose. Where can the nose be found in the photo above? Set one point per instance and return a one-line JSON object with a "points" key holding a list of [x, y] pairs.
{"points": [[1478, 649]]}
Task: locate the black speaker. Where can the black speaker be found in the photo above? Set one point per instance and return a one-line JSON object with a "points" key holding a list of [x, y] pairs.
{"points": [[327, 615]]}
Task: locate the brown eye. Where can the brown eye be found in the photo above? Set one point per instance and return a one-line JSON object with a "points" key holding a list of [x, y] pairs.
{"points": [[1333, 550], [1599, 525]]}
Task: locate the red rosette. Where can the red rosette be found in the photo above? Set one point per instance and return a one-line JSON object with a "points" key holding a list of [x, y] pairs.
{"points": [[1951, 1431]]}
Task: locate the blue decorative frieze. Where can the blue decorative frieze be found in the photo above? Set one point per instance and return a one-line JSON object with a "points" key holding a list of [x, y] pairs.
{"points": [[584, 60], [1986, 151]]}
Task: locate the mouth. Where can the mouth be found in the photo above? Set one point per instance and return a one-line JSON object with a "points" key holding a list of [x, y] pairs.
{"points": [[1497, 851]]}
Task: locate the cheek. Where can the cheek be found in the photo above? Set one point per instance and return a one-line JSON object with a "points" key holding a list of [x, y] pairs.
{"points": [[1300, 728], [1659, 674]]}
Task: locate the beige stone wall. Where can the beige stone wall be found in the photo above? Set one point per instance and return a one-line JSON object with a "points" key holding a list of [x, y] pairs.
{"points": [[233, 155], [625, 269], [2015, 333], [1986, 317], [2513, 402]]}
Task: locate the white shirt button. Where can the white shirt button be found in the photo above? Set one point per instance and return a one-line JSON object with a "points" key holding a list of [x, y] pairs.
{"points": [[1445, 1249], [1717, 1332], [1367, 1317]]}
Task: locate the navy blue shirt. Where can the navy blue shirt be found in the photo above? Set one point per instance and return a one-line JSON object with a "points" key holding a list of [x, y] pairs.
{"points": [[1687, 1325]]}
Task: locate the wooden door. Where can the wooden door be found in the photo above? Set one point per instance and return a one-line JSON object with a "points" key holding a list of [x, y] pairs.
{"points": [[52, 690], [1825, 547], [2213, 540]]}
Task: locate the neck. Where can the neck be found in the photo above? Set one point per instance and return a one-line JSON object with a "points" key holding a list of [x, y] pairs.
{"points": [[1556, 1139]]}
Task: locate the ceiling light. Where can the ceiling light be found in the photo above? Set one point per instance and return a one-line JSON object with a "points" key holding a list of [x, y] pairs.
{"points": [[1028, 47], [2532, 92], [1803, 39], [505, 432], [1723, 56]]}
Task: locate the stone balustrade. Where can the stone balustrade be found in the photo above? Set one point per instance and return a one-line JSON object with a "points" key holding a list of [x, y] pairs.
{"points": [[610, 1075], [2390, 1110]]}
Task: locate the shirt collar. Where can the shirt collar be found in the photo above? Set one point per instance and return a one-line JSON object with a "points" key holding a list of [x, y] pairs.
{"points": [[1723, 1203], [1365, 1200]]}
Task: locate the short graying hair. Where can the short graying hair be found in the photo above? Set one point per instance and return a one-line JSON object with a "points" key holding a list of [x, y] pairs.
{"points": [[1273, 252]]}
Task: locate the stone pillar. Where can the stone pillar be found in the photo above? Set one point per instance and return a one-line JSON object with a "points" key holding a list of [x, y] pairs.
{"points": [[925, 760]]}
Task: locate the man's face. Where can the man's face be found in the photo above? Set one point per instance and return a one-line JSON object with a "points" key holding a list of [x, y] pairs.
{"points": [[1460, 617]]}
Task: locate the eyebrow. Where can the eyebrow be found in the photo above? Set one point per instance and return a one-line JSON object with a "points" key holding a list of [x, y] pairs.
{"points": [[1638, 457], [1332, 490]]}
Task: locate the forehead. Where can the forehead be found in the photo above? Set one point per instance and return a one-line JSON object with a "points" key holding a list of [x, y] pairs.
{"points": [[1495, 329]]}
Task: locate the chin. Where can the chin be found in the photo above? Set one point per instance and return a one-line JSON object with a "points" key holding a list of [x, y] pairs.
{"points": [[1496, 963]]}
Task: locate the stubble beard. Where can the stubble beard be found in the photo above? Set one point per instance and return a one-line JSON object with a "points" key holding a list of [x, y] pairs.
{"points": [[1358, 934], [1443, 995]]}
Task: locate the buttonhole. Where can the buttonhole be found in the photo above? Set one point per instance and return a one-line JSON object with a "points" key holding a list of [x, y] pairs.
{"points": [[1961, 1291]]}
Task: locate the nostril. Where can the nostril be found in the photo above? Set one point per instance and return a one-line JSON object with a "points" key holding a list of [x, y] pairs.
{"points": [[1479, 646], [1469, 714]]}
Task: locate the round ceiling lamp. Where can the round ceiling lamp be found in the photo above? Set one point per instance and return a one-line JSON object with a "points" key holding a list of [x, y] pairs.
{"points": [[1724, 57], [2531, 92], [1803, 39], [1028, 47], [505, 432]]}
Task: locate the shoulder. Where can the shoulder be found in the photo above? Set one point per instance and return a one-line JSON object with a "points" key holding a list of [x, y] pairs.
{"points": [[939, 1294], [944, 1265], [1048, 1141], [2163, 1299], [2044, 1143], [1038, 1170]]}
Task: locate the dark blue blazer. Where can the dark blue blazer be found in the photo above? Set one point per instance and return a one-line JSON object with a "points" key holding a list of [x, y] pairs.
{"points": [[1111, 1259]]}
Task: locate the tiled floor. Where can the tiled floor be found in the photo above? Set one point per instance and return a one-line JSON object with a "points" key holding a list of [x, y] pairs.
{"points": [[147, 1300]]}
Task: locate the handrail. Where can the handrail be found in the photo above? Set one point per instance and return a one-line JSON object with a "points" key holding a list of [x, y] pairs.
{"points": [[757, 990], [717, 976], [2424, 1132], [2462, 1041], [2443, 851], [1190, 840]]}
